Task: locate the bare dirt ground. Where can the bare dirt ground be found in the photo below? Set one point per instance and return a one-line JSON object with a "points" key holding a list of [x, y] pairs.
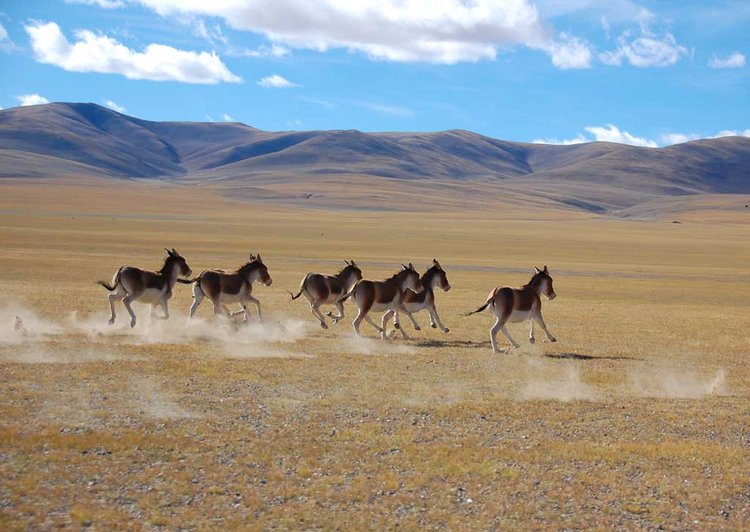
{"points": [[638, 417]]}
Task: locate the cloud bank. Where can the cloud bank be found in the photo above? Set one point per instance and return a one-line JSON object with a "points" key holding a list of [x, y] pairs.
{"points": [[102, 54]]}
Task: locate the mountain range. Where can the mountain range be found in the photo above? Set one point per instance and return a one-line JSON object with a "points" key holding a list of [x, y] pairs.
{"points": [[83, 139]]}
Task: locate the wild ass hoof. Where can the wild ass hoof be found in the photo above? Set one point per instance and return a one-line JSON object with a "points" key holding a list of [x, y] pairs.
{"points": [[111, 321], [132, 323], [433, 325], [552, 340], [323, 325], [532, 340], [398, 326], [446, 330]]}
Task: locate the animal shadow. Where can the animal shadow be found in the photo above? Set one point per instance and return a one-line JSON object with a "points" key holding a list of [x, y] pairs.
{"points": [[579, 356], [451, 343]]}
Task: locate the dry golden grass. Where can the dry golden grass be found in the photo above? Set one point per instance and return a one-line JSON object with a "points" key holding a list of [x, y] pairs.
{"points": [[636, 418]]}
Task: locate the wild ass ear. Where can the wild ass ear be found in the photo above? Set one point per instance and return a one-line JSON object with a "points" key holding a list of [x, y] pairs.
{"points": [[168, 252], [537, 270], [174, 252], [545, 269], [259, 259], [404, 266], [352, 263], [346, 262], [435, 263], [411, 266]]}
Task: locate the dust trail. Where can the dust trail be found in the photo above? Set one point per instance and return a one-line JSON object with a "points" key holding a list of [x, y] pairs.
{"points": [[231, 338], [369, 346], [19, 324], [561, 382], [670, 383]]}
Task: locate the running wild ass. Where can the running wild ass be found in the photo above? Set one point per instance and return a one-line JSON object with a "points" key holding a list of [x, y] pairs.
{"points": [[413, 302], [223, 287], [154, 288], [320, 289], [382, 295], [519, 304]]}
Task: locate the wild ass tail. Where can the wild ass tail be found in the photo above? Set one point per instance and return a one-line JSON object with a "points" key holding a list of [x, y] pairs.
{"points": [[347, 295], [301, 288], [480, 309], [115, 282]]}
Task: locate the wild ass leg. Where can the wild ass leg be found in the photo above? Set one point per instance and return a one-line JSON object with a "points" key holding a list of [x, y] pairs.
{"points": [[434, 318], [384, 323], [126, 301], [493, 334], [340, 309], [257, 304], [165, 308], [537, 317], [315, 308], [197, 298], [531, 332], [369, 320], [413, 321], [505, 332], [112, 296]]}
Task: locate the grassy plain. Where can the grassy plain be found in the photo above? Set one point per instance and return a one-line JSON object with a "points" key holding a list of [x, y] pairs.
{"points": [[636, 418]]}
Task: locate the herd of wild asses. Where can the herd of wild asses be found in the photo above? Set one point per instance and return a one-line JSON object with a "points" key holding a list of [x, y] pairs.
{"points": [[405, 292]]}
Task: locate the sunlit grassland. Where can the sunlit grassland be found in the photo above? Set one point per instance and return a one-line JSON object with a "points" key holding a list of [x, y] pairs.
{"points": [[637, 417]]}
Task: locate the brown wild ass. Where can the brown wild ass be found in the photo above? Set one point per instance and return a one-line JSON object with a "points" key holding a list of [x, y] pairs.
{"points": [[519, 304], [223, 287], [320, 289], [413, 302], [382, 295], [154, 288]]}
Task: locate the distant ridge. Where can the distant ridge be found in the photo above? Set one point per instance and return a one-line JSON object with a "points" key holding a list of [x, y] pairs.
{"points": [[85, 139]]}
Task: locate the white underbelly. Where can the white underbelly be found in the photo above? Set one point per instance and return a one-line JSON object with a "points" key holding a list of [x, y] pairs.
{"points": [[233, 298], [519, 315], [150, 296], [413, 307], [380, 307]]}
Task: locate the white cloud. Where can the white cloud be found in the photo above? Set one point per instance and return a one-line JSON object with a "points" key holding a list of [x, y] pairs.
{"points": [[735, 60], [3, 34], [580, 139], [115, 107], [611, 133], [386, 109], [678, 138], [31, 99], [105, 4], [645, 51], [227, 118], [99, 53], [439, 31], [733, 133], [570, 52], [276, 82], [275, 50]]}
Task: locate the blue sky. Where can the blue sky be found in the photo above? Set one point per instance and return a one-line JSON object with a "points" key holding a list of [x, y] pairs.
{"points": [[642, 72]]}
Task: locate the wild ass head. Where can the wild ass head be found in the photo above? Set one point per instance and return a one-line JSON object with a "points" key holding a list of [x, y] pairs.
{"points": [[436, 276], [350, 274], [409, 278], [173, 260], [259, 270], [543, 281]]}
